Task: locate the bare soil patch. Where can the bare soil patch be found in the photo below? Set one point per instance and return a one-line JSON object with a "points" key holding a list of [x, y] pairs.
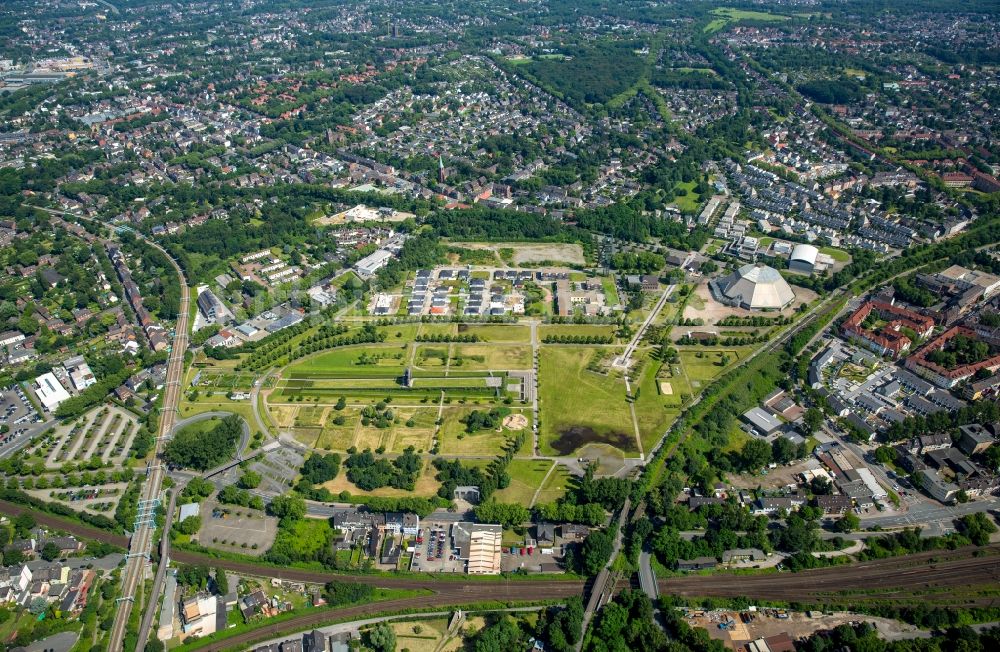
{"points": [[515, 422], [533, 252]]}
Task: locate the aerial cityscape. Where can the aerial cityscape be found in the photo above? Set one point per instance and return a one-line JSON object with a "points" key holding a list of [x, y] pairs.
{"points": [[499, 326]]}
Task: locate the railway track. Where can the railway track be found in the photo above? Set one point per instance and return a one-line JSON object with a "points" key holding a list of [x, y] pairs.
{"points": [[896, 577], [449, 598], [931, 570], [428, 582]]}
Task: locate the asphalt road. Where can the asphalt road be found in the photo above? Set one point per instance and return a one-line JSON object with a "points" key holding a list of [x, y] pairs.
{"points": [[647, 579], [930, 515]]}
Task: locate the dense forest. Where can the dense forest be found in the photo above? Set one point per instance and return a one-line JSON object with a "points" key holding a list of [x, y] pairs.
{"points": [[589, 74], [500, 225], [831, 91]]}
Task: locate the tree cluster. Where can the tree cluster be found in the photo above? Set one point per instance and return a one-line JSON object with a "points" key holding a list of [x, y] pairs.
{"points": [[369, 473], [202, 450]]}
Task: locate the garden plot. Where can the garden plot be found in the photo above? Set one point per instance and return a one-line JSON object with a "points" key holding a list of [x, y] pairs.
{"points": [[222, 381], [106, 431]]}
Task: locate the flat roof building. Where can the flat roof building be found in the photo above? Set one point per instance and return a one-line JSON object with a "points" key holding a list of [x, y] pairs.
{"points": [[50, 391], [764, 422], [479, 544], [370, 264]]}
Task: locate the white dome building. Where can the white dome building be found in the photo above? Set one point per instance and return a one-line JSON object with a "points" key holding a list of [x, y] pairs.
{"points": [[757, 287], [803, 258]]}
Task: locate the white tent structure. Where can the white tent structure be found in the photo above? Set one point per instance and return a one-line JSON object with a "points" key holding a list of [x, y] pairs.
{"points": [[757, 287]]}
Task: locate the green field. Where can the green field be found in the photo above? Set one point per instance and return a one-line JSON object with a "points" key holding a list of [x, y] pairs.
{"points": [[687, 200], [728, 15], [222, 380], [425, 330], [350, 360], [399, 436], [200, 427], [583, 403], [486, 356], [583, 330], [708, 365], [526, 477], [655, 411], [449, 383], [838, 255], [713, 246], [463, 358], [424, 390], [456, 441], [343, 384], [215, 404], [610, 291], [311, 417], [400, 333], [555, 486], [580, 406], [497, 332]]}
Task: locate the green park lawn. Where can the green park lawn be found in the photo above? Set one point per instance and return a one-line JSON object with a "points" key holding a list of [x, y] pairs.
{"points": [[216, 403], [497, 332], [399, 436], [709, 365], [654, 410], [338, 438], [610, 291], [687, 200], [838, 255], [584, 330], [579, 406], [456, 441], [347, 362], [526, 477], [426, 330], [555, 485], [490, 356]]}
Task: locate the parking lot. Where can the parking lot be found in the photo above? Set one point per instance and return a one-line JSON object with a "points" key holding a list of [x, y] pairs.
{"points": [[434, 550], [237, 529], [277, 469], [530, 559], [20, 417], [106, 431], [96, 500]]}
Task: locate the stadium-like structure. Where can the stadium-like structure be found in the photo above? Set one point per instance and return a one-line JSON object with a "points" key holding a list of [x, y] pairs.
{"points": [[755, 287]]}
